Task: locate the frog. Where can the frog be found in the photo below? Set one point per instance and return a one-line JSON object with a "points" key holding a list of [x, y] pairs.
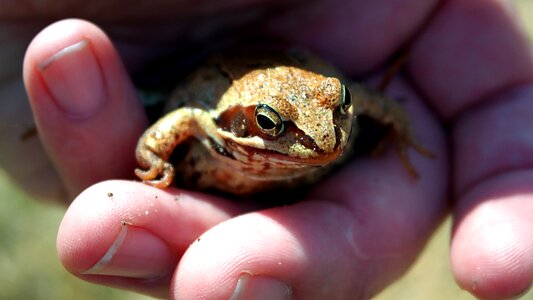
{"points": [[247, 123]]}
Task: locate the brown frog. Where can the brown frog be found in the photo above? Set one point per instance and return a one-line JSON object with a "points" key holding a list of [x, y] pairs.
{"points": [[251, 123]]}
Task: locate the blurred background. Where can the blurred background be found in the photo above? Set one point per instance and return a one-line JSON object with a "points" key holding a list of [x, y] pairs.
{"points": [[29, 268]]}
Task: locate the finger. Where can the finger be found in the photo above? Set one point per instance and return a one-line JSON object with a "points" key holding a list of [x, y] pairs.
{"points": [[471, 49], [354, 35], [83, 102], [492, 241], [129, 235], [460, 61], [494, 138], [356, 232]]}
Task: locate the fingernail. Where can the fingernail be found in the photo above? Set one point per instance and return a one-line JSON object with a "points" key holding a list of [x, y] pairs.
{"points": [[74, 79], [260, 288], [135, 253]]}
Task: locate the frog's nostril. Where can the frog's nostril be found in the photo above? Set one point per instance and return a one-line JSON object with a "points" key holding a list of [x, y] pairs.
{"points": [[308, 142]]}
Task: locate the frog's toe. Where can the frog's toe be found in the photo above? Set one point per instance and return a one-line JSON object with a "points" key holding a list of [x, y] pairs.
{"points": [[401, 148], [403, 145], [421, 149], [159, 175], [146, 174], [167, 176]]}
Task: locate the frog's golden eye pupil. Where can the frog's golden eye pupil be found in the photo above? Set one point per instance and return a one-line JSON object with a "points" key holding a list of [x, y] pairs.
{"points": [[268, 120], [346, 99]]}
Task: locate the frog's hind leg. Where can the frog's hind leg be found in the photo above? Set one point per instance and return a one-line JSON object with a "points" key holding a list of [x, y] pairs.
{"points": [[391, 114]]}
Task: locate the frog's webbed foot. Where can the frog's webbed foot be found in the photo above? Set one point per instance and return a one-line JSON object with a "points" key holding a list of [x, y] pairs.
{"points": [[403, 139], [158, 173], [402, 144]]}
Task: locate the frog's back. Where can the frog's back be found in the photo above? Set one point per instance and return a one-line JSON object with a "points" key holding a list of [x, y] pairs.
{"points": [[202, 89], [205, 87]]}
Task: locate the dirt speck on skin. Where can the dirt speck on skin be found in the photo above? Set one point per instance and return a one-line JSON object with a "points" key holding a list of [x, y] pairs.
{"points": [[177, 197], [474, 285]]}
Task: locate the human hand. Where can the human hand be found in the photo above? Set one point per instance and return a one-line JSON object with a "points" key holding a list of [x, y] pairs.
{"points": [[341, 235]]}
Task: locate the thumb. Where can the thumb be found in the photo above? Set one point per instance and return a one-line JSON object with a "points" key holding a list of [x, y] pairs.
{"points": [[84, 104]]}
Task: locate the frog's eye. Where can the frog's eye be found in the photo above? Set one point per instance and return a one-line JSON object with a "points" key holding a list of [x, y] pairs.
{"points": [[268, 120], [346, 99]]}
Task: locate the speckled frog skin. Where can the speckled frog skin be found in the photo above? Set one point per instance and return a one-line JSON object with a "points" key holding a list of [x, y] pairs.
{"points": [[257, 122]]}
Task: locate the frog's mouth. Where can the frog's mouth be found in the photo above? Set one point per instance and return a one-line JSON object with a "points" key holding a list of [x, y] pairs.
{"points": [[308, 157]]}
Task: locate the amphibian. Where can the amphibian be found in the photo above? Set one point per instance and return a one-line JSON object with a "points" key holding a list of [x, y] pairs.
{"points": [[251, 123]]}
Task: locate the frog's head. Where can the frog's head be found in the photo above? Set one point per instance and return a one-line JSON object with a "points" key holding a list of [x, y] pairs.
{"points": [[285, 115]]}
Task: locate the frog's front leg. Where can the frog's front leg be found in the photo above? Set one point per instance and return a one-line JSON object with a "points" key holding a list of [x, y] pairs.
{"points": [[388, 112], [159, 141]]}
